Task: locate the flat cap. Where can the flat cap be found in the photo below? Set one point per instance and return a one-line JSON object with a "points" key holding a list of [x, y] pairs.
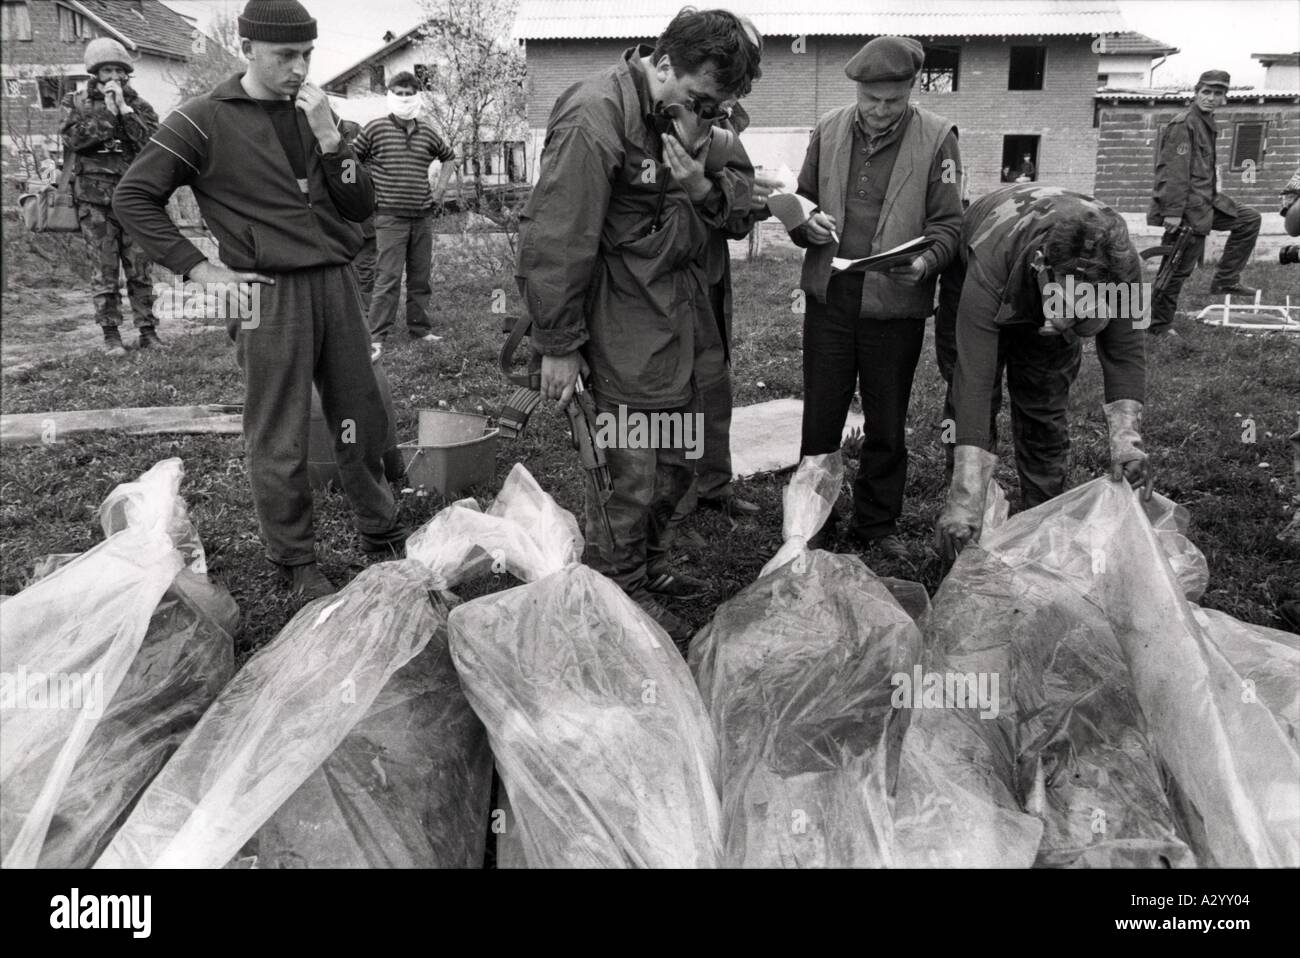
{"points": [[886, 58], [1214, 78]]}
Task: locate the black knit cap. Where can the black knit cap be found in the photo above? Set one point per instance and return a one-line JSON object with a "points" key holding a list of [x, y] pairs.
{"points": [[276, 21]]}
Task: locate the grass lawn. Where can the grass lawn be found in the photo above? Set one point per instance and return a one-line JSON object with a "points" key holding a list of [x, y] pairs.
{"points": [[1202, 388]]}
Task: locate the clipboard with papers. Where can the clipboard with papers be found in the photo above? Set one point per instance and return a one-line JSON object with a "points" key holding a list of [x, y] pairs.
{"points": [[880, 262]]}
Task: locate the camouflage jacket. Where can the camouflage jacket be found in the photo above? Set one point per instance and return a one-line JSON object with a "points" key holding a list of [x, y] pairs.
{"points": [[101, 144]]}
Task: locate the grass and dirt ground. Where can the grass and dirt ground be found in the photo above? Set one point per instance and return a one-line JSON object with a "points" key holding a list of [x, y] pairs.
{"points": [[1203, 387]]}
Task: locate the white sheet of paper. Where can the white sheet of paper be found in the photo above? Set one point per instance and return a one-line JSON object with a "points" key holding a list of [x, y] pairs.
{"points": [[840, 263]]}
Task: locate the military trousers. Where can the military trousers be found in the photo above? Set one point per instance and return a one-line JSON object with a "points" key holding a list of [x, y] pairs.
{"points": [[1243, 230], [112, 252], [1039, 372]]}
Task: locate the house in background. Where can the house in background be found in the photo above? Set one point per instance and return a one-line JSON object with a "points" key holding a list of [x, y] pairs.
{"points": [[1015, 78], [1125, 60], [360, 91], [1258, 150], [44, 42], [1281, 70]]}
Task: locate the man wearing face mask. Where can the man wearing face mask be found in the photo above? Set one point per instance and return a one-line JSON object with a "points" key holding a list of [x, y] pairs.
{"points": [[104, 129], [1014, 298], [285, 197], [399, 149], [613, 268], [883, 172]]}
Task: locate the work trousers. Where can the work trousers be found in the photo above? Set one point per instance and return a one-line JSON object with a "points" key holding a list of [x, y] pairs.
{"points": [[364, 264], [1243, 231], [1040, 371], [647, 485], [111, 253], [402, 244], [841, 349], [309, 328]]}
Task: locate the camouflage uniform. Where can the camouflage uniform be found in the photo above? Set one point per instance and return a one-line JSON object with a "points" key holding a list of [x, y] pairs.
{"points": [[103, 145]]}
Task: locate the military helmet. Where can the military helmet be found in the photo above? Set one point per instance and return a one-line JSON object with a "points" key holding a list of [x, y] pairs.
{"points": [[103, 51]]}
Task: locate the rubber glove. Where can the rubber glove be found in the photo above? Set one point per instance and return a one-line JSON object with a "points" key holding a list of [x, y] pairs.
{"points": [[963, 513], [1127, 459]]}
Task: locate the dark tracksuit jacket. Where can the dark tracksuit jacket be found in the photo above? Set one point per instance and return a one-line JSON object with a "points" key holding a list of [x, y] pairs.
{"points": [[224, 146]]}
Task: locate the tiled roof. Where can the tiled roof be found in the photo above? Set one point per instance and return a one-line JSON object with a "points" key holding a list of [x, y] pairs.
{"points": [[148, 24], [590, 19], [1183, 96], [1133, 42]]}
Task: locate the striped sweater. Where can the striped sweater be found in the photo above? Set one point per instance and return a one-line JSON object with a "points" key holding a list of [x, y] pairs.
{"points": [[398, 162]]}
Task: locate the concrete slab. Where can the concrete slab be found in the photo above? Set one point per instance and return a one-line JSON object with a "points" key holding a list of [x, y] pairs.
{"points": [[765, 436]]}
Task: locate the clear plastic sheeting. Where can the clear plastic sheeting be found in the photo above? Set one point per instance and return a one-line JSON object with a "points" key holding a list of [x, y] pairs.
{"points": [[524, 532], [407, 788], [1048, 598], [1065, 733], [187, 656], [278, 720], [68, 641], [598, 731], [796, 673]]}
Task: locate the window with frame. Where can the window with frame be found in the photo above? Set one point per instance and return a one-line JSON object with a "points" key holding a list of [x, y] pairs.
{"points": [[1248, 141], [74, 27], [15, 20], [424, 73], [939, 73], [377, 84], [1027, 66]]}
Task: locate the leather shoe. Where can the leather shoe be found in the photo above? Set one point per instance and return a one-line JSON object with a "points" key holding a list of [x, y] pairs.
{"points": [[306, 581], [1236, 289], [733, 506], [393, 542], [675, 585], [677, 630]]}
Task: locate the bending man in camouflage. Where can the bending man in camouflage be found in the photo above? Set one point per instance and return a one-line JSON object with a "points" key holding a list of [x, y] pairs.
{"points": [[104, 129], [1038, 269]]}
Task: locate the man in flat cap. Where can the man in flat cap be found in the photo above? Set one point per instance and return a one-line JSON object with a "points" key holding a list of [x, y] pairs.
{"points": [[286, 198], [1187, 194], [883, 171]]}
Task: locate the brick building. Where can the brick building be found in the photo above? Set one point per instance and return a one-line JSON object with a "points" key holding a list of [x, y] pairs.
{"points": [[1015, 77], [1258, 147], [44, 42]]}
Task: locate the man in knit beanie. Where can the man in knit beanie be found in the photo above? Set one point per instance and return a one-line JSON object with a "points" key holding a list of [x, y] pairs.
{"points": [[285, 197]]}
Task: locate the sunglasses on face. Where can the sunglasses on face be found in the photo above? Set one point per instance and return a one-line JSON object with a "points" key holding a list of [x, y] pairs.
{"points": [[707, 110]]}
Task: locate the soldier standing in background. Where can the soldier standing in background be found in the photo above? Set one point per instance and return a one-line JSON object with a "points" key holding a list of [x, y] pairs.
{"points": [[1187, 194], [104, 128]]}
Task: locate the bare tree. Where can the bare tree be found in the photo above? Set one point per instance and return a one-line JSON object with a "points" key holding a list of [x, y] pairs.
{"points": [[476, 77], [214, 56]]}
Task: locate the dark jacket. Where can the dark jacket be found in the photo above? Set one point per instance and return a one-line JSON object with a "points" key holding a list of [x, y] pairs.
{"points": [[594, 272], [1186, 178], [737, 227], [1000, 235], [102, 145], [351, 130], [224, 147]]}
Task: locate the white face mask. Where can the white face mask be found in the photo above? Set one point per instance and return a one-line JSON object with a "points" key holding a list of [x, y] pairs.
{"points": [[404, 107]]}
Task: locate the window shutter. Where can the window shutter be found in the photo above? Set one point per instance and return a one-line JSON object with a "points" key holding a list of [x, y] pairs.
{"points": [[1247, 144]]}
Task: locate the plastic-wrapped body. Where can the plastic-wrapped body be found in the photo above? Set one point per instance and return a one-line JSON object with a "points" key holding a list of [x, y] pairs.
{"points": [[599, 734], [187, 656], [797, 674], [407, 788], [284, 713], [68, 641], [1117, 678]]}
